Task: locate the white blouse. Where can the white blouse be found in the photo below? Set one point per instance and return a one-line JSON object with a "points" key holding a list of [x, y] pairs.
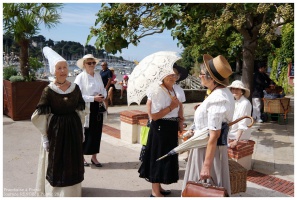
{"points": [[95, 86], [243, 107], [218, 107], [160, 100], [180, 94]]}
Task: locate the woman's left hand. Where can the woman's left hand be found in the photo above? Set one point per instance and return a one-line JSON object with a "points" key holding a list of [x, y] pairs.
{"points": [[205, 173], [233, 144]]}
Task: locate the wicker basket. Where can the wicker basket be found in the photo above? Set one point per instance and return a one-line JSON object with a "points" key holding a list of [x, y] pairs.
{"points": [[279, 105], [238, 176]]}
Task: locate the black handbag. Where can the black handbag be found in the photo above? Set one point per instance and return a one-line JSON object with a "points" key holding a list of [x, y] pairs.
{"points": [[102, 108]]}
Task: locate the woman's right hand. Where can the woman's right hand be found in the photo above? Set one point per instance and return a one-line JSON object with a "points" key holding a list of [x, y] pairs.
{"points": [[99, 98], [174, 103]]}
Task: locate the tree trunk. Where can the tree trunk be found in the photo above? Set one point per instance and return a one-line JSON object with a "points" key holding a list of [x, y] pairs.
{"points": [[24, 57], [249, 48], [237, 70]]}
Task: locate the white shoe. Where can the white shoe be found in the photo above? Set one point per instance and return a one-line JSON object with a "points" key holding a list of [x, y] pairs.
{"points": [[260, 121]]}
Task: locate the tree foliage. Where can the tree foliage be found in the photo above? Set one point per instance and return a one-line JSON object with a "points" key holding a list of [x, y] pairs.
{"points": [[234, 30], [282, 56], [22, 20]]}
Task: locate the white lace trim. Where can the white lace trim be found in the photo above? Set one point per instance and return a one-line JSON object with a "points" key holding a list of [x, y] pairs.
{"points": [[59, 91]]}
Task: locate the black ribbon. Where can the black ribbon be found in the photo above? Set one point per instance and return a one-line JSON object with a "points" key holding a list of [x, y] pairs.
{"points": [[214, 70]]}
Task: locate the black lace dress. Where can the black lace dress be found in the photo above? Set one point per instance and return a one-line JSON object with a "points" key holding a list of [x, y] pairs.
{"points": [[65, 158]]}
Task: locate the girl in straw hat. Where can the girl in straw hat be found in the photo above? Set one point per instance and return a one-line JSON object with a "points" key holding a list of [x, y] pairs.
{"points": [[243, 107], [217, 108], [93, 92], [59, 117]]}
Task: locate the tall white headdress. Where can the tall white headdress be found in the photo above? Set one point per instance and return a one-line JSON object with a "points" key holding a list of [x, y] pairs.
{"points": [[52, 57]]}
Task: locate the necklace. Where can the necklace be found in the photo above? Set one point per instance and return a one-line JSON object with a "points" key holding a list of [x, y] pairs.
{"points": [[61, 83], [169, 91], [214, 88]]}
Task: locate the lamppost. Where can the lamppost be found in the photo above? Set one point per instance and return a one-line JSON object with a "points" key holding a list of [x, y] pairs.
{"points": [[63, 51]]}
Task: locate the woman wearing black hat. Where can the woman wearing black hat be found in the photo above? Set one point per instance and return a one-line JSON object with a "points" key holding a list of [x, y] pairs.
{"points": [[216, 109]]}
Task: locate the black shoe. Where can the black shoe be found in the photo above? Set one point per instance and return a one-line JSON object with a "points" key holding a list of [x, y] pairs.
{"points": [[152, 195], [97, 165], [165, 192], [86, 164]]}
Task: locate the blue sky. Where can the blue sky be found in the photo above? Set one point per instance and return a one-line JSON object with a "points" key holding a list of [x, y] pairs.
{"points": [[77, 18]]}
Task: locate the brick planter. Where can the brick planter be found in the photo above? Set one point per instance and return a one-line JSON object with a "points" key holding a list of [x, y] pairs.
{"points": [[20, 98], [242, 153], [131, 122]]}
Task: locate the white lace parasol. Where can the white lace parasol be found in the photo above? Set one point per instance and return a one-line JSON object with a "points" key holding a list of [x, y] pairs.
{"points": [[151, 69]]}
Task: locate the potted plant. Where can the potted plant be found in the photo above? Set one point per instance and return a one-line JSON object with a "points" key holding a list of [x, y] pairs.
{"points": [[21, 20], [20, 97]]}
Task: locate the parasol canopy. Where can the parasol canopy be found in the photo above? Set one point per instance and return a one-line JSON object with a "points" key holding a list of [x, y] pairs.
{"points": [[152, 69], [199, 140]]}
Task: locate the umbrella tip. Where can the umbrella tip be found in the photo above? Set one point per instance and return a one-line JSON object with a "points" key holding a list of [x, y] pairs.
{"points": [[162, 157]]}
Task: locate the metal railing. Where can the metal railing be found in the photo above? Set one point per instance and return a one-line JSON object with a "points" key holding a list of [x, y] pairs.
{"points": [[191, 82]]}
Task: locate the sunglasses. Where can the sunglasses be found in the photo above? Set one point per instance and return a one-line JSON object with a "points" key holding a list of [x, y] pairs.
{"points": [[91, 63]]}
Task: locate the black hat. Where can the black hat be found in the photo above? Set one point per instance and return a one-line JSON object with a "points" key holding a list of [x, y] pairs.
{"points": [[183, 72]]}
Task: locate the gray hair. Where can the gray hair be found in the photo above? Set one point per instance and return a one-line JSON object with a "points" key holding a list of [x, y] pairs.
{"points": [[207, 74]]}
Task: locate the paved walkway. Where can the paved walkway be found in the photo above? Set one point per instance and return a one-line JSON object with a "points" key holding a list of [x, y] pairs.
{"points": [[272, 173]]}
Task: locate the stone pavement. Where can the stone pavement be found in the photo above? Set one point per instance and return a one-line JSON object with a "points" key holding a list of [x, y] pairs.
{"points": [[272, 173]]}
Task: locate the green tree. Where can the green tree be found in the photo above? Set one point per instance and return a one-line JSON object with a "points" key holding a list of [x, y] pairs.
{"points": [[22, 20], [201, 27]]}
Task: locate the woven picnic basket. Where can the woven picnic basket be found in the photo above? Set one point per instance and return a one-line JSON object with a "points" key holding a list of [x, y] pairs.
{"points": [[238, 176], [279, 105]]}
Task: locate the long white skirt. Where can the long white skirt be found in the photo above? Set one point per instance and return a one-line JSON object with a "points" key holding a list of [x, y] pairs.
{"points": [[43, 187], [219, 170]]}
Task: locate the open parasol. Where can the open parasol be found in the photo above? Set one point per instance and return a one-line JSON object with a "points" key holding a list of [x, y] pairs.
{"points": [[199, 140], [151, 69]]}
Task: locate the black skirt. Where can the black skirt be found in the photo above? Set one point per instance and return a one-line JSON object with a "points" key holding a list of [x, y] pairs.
{"points": [[163, 137], [93, 133]]}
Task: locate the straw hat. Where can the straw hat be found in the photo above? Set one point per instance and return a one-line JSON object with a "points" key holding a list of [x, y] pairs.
{"points": [[53, 58], [80, 62], [218, 68], [183, 72], [238, 84]]}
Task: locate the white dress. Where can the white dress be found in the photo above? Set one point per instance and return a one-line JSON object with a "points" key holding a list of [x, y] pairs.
{"points": [[218, 107], [243, 107]]}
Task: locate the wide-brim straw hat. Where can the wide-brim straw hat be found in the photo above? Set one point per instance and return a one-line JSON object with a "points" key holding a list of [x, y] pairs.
{"points": [[80, 62], [238, 84], [183, 72], [218, 68]]}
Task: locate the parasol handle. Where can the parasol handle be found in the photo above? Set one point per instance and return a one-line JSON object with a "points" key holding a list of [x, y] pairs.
{"points": [[162, 157], [241, 118]]}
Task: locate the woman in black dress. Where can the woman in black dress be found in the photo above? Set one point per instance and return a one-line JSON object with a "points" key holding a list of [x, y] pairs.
{"points": [[163, 137], [94, 93], [59, 117]]}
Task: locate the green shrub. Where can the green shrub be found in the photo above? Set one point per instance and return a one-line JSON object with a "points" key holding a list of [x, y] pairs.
{"points": [[16, 79], [9, 72]]}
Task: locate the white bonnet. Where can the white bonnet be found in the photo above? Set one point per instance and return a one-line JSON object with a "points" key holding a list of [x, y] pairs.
{"points": [[53, 58]]}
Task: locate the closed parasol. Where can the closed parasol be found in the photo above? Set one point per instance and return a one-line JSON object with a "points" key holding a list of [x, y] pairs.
{"points": [[199, 139]]}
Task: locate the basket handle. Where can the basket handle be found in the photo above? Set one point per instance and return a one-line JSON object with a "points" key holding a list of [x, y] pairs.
{"points": [[241, 118]]}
